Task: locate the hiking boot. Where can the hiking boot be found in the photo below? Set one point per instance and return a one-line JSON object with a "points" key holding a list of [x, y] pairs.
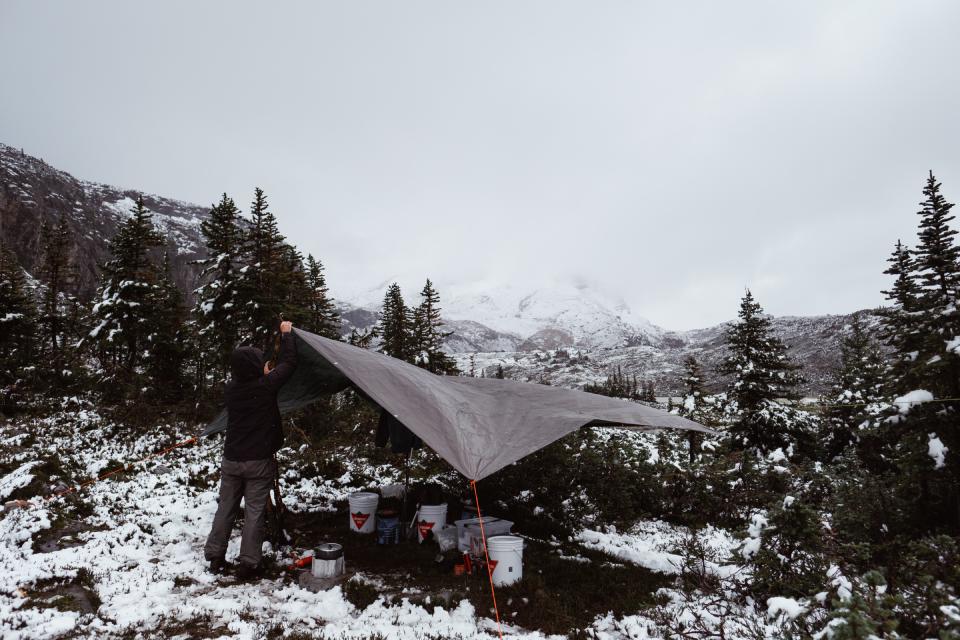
{"points": [[218, 566], [246, 572]]}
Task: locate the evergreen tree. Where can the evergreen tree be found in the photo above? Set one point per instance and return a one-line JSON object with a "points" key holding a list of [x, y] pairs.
{"points": [[57, 275], [619, 385], [396, 325], [900, 329], [262, 290], [166, 350], [649, 393], [762, 373], [127, 304], [937, 273], [323, 317], [693, 405], [218, 309], [17, 319], [428, 334], [922, 329], [858, 389], [362, 338], [291, 286]]}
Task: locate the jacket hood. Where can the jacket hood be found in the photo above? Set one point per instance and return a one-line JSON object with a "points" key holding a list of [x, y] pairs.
{"points": [[246, 364]]}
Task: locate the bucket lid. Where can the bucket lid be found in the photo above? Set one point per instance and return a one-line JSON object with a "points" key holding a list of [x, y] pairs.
{"points": [[364, 495], [505, 542], [328, 551], [433, 508]]}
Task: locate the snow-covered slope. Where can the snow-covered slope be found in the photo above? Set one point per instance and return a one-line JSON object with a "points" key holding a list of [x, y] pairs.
{"points": [[32, 192], [557, 314]]}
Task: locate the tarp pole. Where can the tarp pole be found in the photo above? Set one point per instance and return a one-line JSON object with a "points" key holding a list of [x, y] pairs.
{"points": [[486, 556]]}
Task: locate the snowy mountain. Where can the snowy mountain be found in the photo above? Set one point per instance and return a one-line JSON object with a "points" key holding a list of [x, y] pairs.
{"points": [[488, 316], [563, 331], [570, 335]]}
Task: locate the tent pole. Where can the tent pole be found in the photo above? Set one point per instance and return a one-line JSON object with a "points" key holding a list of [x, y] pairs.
{"points": [[486, 556]]}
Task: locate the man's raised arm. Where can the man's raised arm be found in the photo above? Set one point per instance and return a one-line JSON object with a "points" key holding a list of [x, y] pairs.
{"points": [[286, 358]]}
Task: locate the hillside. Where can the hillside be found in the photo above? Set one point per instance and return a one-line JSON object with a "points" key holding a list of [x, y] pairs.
{"points": [[33, 192]]}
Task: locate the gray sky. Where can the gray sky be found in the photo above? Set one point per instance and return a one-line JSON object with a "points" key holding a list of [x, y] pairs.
{"points": [[670, 153]]}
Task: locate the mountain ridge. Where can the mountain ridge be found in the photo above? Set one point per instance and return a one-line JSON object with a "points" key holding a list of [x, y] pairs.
{"points": [[529, 331]]}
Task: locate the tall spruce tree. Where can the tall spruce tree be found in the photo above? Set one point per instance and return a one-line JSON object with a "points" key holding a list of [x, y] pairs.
{"points": [[127, 303], [323, 318], [262, 289], [396, 325], [937, 273], [218, 311], [17, 319], [428, 334], [762, 373], [166, 343], [900, 329], [858, 390], [57, 276], [922, 329]]}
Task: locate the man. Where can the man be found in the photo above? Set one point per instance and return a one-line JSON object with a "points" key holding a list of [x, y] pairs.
{"points": [[253, 437]]}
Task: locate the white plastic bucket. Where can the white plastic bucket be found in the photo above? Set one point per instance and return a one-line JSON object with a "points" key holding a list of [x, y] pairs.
{"points": [[506, 558], [363, 506], [431, 516]]}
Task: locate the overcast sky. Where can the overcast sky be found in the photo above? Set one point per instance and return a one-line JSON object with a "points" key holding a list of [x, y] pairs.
{"points": [[670, 153]]}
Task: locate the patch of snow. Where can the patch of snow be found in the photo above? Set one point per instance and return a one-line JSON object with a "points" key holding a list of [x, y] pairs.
{"points": [[937, 451], [17, 479], [787, 607], [909, 400]]}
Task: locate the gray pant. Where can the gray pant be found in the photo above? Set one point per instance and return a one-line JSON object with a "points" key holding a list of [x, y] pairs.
{"points": [[252, 481]]}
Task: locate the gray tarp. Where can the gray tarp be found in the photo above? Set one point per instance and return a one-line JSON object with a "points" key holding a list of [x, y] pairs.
{"points": [[478, 425]]}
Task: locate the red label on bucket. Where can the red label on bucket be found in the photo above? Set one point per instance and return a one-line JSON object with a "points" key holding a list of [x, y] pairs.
{"points": [[360, 519], [424, 527], [493, 565]]}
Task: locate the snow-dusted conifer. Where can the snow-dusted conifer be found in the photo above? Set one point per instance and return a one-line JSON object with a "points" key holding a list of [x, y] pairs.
{"points": [[126, 302], [937, 273], [17, 317], [57, 275], [218, 303], [262, 295], [900, 326], [694, 405], [323, 318], [857, 396], [166, 343], [762, 374], [428, 334], [396, 325]]}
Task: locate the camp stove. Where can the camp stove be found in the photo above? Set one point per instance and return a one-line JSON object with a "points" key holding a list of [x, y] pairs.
{"points": [[328, 560]]}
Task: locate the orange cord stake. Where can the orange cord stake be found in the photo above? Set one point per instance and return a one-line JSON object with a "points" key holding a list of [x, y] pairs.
{"points": [[483, 535]]}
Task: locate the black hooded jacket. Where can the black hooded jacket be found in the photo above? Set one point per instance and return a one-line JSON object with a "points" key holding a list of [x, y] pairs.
{"points": [[253, 417]]}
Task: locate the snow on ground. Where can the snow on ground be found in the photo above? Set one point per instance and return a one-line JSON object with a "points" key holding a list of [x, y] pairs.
{"points": [[138, 550], [146, 559], [654, 545], [141, 549]]}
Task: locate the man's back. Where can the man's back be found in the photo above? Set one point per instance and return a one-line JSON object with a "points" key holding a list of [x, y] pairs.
{"points": [[253, 418]]}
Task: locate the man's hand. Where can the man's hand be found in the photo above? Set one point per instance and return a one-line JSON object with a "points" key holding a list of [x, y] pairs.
{"points": [[267, 368], [286, 326]]}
